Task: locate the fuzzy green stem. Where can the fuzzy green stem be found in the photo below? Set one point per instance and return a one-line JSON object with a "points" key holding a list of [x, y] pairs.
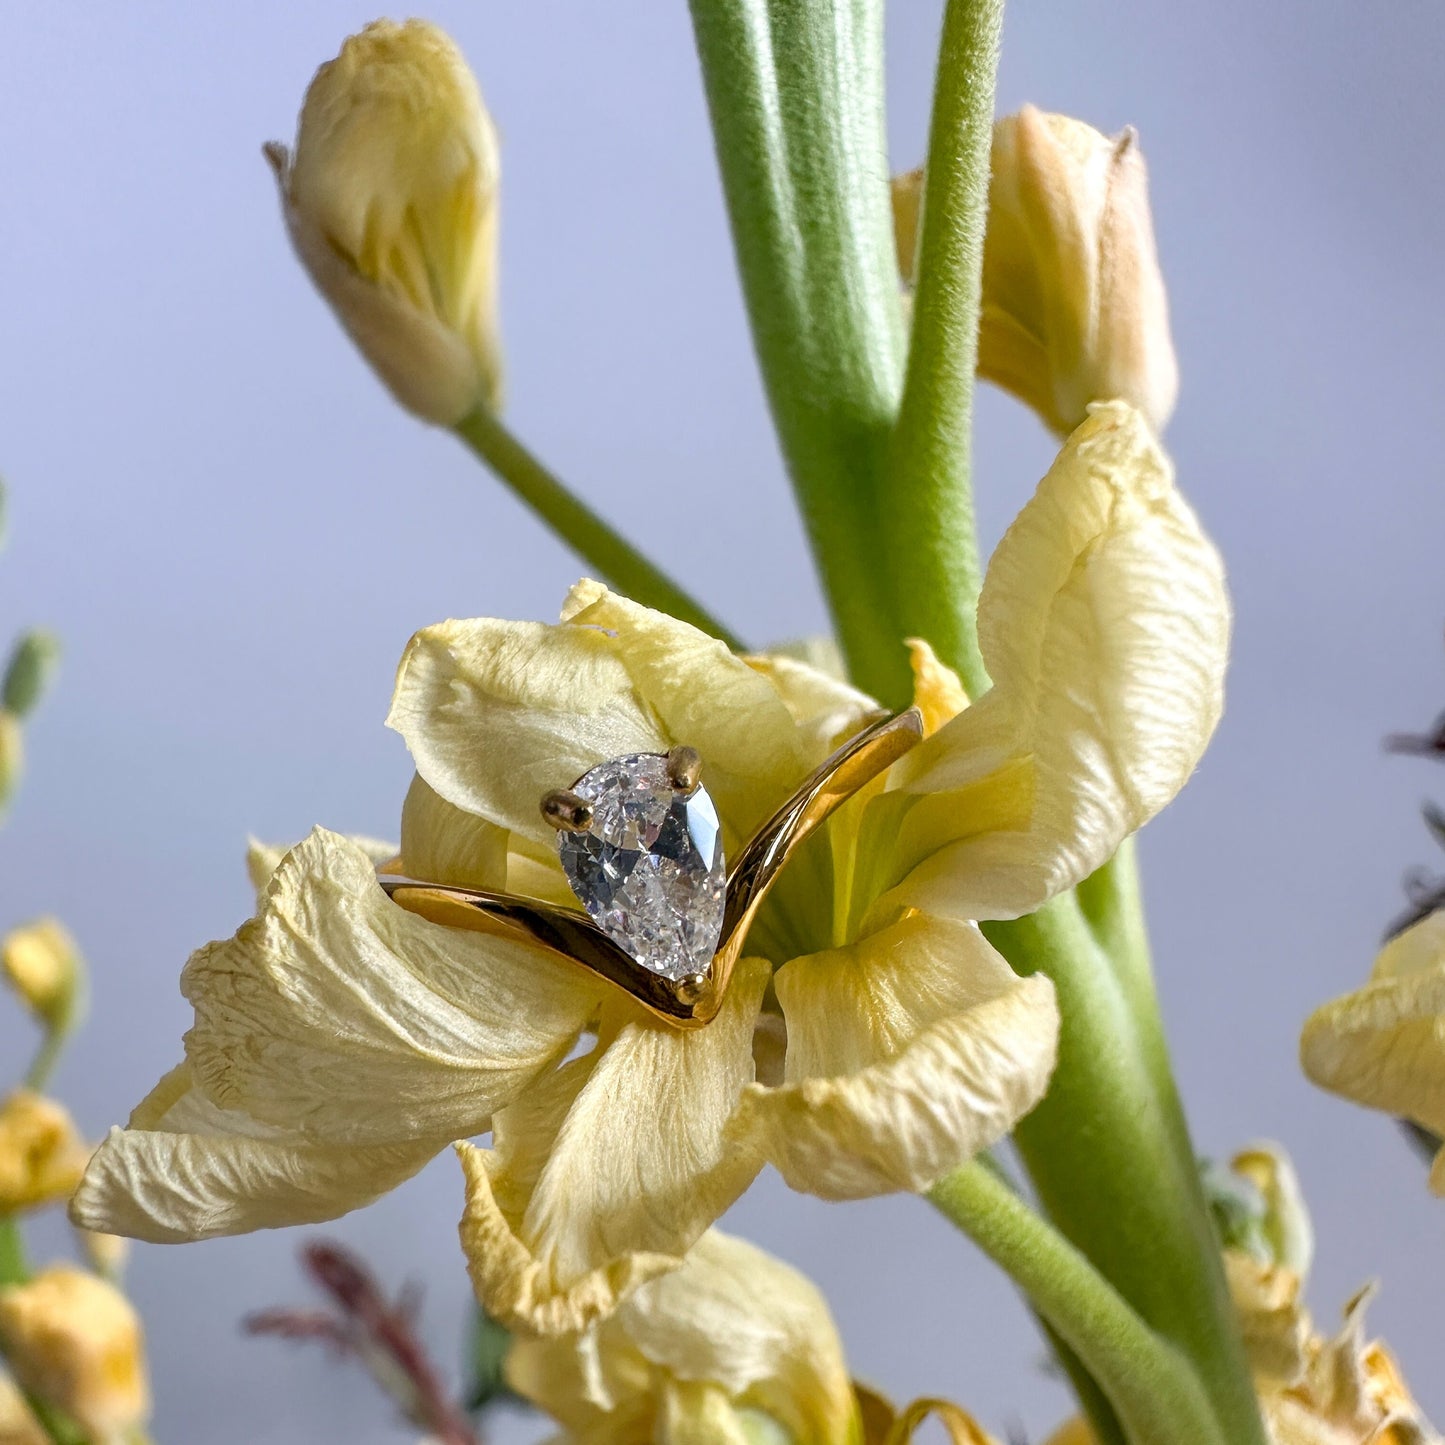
{"points": [[1148, 1382], [594, 540], [930, 541], [1109, 1154], [795, 91]]}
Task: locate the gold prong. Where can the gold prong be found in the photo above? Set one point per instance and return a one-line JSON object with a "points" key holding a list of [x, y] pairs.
{"points": [[693, 988], [684, 768], [567, 811]]}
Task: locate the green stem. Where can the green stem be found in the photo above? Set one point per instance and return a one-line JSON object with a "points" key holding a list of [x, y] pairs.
{"points": [[14, 1264], [1104, 1423], [1109, 1154], [60, 1429], [930, 540], [597, 543], [42, 1066], [795, 91], [1150, 1385]]}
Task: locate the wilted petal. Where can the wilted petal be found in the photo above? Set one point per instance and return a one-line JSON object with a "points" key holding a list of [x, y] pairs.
{"points": [[1384, 1045], [339, 1015], [1352, 1392], [825, 709], [1272, 1318], [184, 1169], [908, 1053], [442, 843], [732, 1333], [262, 859], [1104, 624], [705, 696], [605, 1173], [497, 714]]}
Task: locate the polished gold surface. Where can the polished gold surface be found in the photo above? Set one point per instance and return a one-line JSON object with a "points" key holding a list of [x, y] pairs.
{"points": [[684, 769], [693, 1001], [565, 810]]}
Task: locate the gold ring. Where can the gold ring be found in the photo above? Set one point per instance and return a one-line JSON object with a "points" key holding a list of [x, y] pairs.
{"points": [[682, 846]]}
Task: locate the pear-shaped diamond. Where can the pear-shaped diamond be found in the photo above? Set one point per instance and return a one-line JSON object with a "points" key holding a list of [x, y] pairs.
{"points": [[649, 867]]}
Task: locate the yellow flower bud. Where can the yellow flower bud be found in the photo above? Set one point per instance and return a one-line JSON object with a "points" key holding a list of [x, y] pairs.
{"points": [[391, 202], [42, 1155], [1074, 309], [74, 1342], [44, 966], [18, 1425]]}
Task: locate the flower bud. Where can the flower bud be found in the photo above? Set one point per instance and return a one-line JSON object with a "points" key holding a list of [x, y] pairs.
{"points": [[42, 1155], [391, 202], [1074, 309], [32, 666], [74, 1342], [44, 966]]}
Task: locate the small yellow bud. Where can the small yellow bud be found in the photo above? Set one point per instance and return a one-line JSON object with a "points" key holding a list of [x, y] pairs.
{"points": [[74, 1342], [18, 1425], [1074, 308], [44, 966], [42, 1155], [391, 202]]}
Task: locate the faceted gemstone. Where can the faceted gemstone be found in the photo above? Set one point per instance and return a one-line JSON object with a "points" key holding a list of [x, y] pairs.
{"points": [[649, 869]]}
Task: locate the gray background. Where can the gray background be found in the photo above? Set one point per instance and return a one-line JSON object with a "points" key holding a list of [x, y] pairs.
{"points": [[235, 531]]}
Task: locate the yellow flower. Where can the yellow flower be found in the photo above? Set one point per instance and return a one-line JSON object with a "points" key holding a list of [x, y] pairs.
{"points": [[391, 202], [734, 1348], [1074, 308], [1384, 1045], [42, 1156], [74, 1342], [44, 966], [871, 1040], [18, 1425]]}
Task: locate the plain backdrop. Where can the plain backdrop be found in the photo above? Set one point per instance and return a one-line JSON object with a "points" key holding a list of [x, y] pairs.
{"points": [[236, 531]]}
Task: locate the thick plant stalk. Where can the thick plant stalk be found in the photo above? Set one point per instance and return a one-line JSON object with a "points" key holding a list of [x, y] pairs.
{"points": [[795, 91], [882, 476], [1109, 1154], [928, 532]]}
